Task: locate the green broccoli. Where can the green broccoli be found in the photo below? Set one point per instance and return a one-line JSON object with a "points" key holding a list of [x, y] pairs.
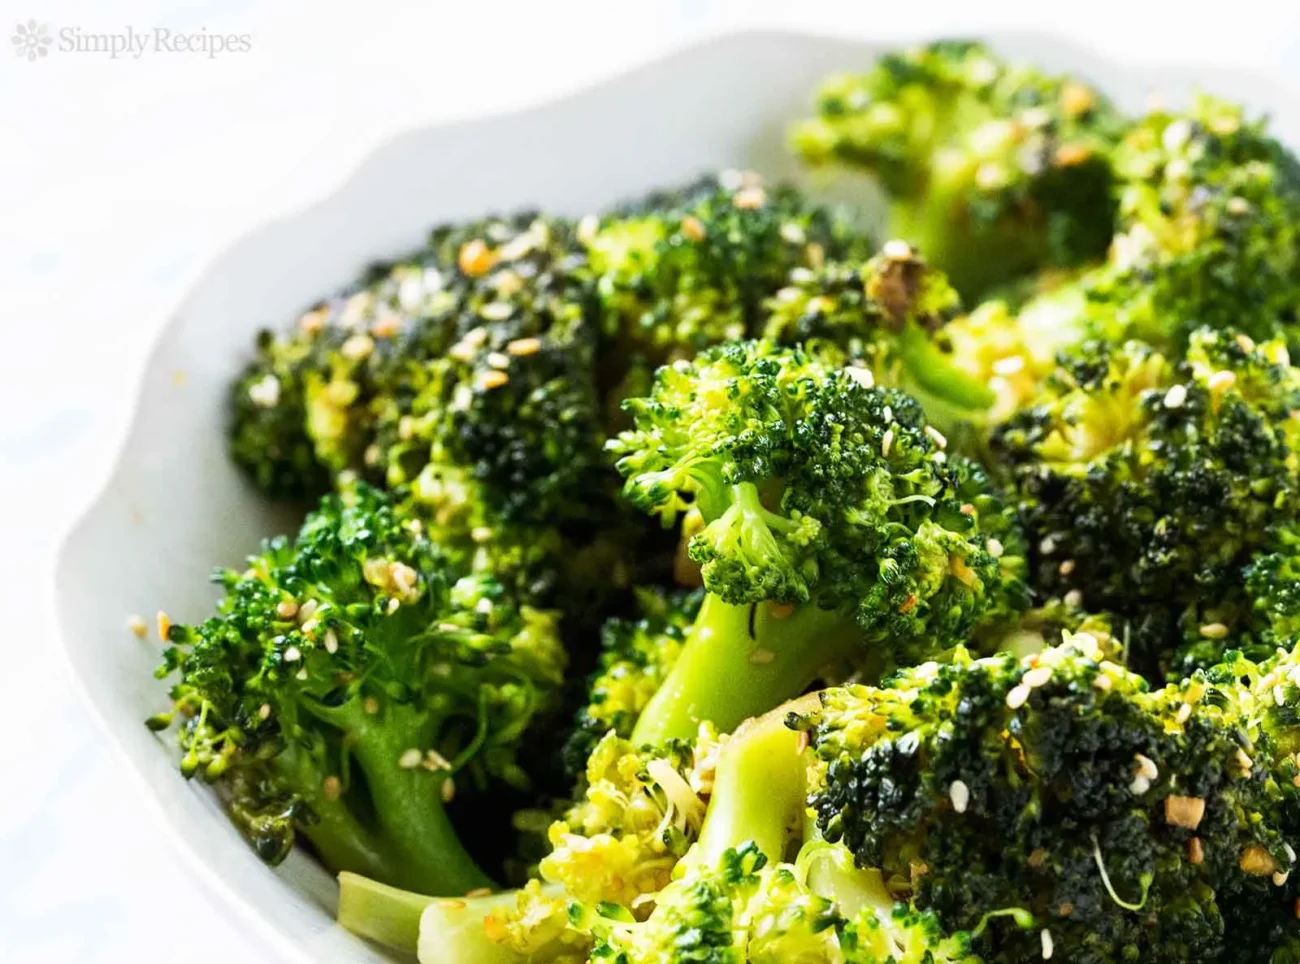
{"points": [[1121, 823], [835, 526], [887, 316], [349, 683], [976, 156], [1209, 231], [1155, 491], [635, 657]]}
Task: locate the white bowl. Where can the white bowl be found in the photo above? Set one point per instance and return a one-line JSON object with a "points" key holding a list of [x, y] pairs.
{"points": [[174, 507]]}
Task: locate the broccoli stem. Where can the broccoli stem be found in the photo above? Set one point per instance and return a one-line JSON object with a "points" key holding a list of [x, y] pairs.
{"points": [[408, 801], [334, 830], [740, 661], [380, 913], [936, 375], [759, 789]]}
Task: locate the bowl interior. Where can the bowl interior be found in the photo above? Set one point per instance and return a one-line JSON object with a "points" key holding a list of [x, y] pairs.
{"points": [[173, 507]]}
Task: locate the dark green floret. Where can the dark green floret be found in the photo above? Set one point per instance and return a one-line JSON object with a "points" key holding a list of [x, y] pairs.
{"points": [[350, 683]]}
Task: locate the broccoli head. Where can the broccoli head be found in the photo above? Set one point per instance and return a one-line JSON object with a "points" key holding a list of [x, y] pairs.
{"points": [[976, 155], [1209, 230], [349, 683], [835, 526], [888, 316], [1151, 489], [1119, 823], [682, 270]]}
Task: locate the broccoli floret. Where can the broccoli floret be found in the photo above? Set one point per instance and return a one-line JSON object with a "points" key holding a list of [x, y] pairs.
{"points": [[1126, 824], [1148, 488], [636, 655], [886, 316], [349, 683], [1209, 235], [976, 156], [835, 526], [683, 270]]}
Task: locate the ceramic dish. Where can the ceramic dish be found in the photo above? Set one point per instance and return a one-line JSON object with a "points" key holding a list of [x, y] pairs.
{"points": [[173, 506]]}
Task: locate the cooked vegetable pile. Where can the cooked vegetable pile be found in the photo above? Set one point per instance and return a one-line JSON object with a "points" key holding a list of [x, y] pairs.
{"points": [[708, 581]]}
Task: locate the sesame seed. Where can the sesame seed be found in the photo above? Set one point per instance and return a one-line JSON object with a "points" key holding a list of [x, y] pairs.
{"points": [[1243, 761], [1047, 545], [1195, 850], [286, 609], [313, 321], [307, 610], [967, 509], [995, 548], [761, 657], [524, 346], [959, 794], [1222, 380], [1176, 396], [292, 654], [393, 605], [1238, 206], [164, 625], [887, 442], [410, 759], [1139, 786], [792, 233], [331, 642], [1146, 766], [1184, 714], [265, 392], [1009, 365], [1070, 155], [138, 626], [448, 789], [1066, 567], [387, 326], [1074, 598], [433, 760], [370, 705], [1037, 677], [749, 199], [1214, 630], [301, 674], [264, 711], [1046, 936], [1017, 696], [479, 892], [1280, 878], [492, 379], [1245, 342], [693, 228], [310, 626], [780, 610], [475, 258], [936, 436], [861, 376], [331, 788], [1289, 851], [897, 250], [357, 347]]}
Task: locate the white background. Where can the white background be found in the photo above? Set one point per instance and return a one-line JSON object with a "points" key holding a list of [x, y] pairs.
{"points": [[120, 179]]}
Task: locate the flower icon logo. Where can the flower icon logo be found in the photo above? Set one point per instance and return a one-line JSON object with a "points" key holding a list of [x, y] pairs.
{"points": [[31, 40]]}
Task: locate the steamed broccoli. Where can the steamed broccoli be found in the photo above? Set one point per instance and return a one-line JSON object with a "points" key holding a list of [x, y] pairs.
{"points": [[976, 156], [835, 526], [349, 683], [1155, 491], [1121, 823], [1209, 230]]}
